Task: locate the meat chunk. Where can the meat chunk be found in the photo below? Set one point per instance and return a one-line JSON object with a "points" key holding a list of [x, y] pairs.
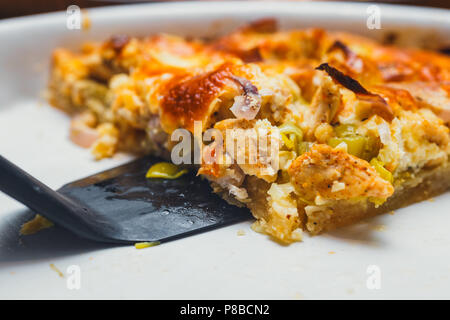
{"points": [[373, 103], [324, 106], [252, 145], [317, 172]]}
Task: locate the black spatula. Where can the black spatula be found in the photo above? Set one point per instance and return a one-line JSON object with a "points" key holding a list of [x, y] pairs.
{"points": [[121, 206]]}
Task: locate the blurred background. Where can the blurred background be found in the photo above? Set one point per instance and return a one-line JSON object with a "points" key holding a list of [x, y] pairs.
{"points": [[15, 8]]}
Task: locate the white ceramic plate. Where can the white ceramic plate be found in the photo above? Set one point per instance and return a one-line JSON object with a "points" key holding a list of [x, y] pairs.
{"points": [[408, 249]]}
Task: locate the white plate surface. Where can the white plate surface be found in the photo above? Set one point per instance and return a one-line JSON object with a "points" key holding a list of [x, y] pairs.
{"points": [[409, 248]]}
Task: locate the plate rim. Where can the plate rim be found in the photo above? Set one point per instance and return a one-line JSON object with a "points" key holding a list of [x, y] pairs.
{"points": [[344, 9]]}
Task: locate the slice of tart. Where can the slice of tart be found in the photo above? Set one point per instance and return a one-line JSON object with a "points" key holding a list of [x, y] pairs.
{"points": [[352, 128]]}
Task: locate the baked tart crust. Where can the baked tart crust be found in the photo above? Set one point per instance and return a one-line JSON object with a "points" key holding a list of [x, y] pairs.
{"points": [[359, 128]]}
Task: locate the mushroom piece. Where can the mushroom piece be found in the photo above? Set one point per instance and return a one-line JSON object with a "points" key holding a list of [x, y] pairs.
{"points": [[247, 105]]}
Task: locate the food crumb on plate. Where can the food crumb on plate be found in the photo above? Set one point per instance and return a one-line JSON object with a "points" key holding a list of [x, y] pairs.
{"points": [[86, 20], [35, 225], [143, 245], [54, 268], [241, 232], [379, 227], [331, 252], [298, 296]]}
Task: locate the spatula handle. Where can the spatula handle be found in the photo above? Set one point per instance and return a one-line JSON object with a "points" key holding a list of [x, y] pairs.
{"points": [[51, 204], [37, 196]]}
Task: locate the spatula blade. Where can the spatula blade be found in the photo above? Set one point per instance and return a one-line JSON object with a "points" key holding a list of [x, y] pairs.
{"points": [[124, 206]]}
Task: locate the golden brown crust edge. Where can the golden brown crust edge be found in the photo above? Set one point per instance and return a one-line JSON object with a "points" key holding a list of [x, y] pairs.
{"points": [[423, 186]]}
